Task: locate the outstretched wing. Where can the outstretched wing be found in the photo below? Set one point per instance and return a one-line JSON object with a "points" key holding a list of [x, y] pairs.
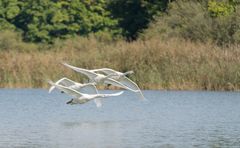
{"points": [[88, 73], [98, 100], [118, 84], [67, 90], [88, 89], [64, 81], [111, 95], [130, 84], [106, 71]]}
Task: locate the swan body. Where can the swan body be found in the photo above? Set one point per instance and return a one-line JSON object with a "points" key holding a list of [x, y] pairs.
{"points": [[81, 98]]}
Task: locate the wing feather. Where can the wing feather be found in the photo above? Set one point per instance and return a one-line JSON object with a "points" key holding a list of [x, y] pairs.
{"points": [[106, 71], [129, 83], [64, 81], [88, 73], [67, 90], [88, 89], [113, 95], [118, 84]]}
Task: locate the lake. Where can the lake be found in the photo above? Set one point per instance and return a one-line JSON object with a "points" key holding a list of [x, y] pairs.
{"points": [[32, 118]]}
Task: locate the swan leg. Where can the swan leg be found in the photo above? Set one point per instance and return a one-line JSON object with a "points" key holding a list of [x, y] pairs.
{"points": [[98, 102]]}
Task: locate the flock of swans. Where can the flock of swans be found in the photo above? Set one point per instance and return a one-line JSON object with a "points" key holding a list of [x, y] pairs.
{"points": [[83, 93]]}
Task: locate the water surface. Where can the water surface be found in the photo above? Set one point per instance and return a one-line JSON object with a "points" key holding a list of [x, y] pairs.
{"points": [[169, 119]]}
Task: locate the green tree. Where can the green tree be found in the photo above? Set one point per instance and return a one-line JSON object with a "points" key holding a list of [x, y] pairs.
{"points": [[192, 20], [217, 9], [9, 9], [44, 20], [135, 15]]}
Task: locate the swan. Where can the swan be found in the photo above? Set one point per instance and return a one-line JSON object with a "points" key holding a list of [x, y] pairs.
{"points": [[81, 98], [121, 77], [88, 87], [97, 78]]}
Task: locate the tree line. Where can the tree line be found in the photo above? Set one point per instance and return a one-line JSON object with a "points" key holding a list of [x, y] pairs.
{"points": [[46, 20]]}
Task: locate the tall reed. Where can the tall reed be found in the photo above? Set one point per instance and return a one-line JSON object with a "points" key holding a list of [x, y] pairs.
{"points": [[169, 64]]}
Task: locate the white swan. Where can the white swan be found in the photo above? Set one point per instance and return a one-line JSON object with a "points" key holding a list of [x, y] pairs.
{"points": [[84, 88], [121, 77], [81, 98], [99, 78]]}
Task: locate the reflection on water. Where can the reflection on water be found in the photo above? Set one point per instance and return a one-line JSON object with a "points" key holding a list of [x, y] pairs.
{"points": [[170, 119], [94, 124]]}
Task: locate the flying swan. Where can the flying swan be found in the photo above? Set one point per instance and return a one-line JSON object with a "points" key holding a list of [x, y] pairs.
{"points": [[97, 78], [121, 77], [81, 98]]}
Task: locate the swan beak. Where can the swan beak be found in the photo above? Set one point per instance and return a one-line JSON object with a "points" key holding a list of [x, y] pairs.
{"points": [[69, 102]]}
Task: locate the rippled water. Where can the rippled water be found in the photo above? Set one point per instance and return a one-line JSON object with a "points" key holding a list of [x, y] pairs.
{"points": [[33, 118]]}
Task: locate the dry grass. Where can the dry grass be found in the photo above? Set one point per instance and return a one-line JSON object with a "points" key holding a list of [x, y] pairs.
{"points": [[172, 64]]}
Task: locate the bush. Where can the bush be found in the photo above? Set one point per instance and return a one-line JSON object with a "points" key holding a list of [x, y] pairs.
{"points": [[192, 20], [10, 40], [218, 9]]}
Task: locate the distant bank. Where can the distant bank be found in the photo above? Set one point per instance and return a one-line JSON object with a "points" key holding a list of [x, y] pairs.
{"points": [[172, 64]]}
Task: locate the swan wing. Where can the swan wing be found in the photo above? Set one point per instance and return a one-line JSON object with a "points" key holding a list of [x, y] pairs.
{"points": [[67, 90], [63, 81], [130, 84], [98, 101], [88, 89], [115, 94], [106, 71], [118, 84], [66, 82], [88, 73], [111, 95]]}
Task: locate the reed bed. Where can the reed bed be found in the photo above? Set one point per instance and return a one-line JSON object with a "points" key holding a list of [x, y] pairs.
{"points": [[173, 64]]}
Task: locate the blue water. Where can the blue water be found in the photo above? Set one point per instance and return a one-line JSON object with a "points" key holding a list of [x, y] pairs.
{"points": [[32, 118]]}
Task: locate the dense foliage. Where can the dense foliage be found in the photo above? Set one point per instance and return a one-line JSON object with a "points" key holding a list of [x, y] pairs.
{"points": [[43, 20], [9, 9], [197, 20], [217, 9], [201, 21], [135, 15]]}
